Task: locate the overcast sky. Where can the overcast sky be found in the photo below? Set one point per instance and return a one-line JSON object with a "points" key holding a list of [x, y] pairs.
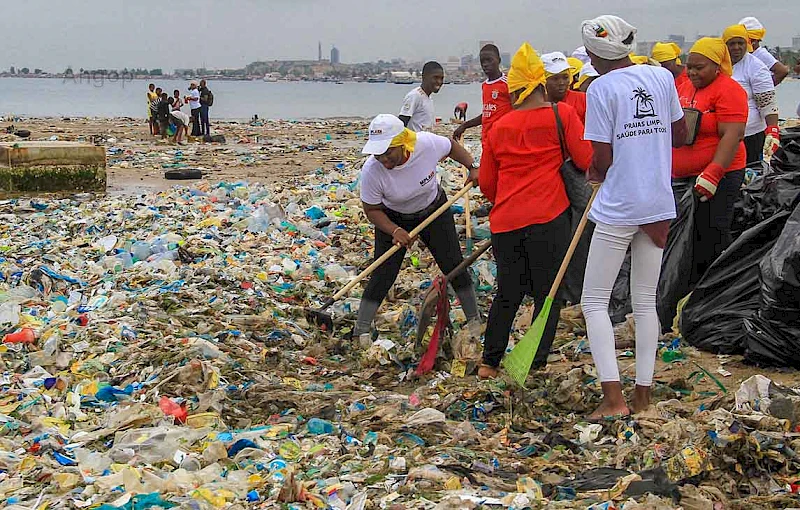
{"points": [[51, 34]]}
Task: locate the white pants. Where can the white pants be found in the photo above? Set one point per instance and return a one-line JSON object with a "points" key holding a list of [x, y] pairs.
{"points": [[606, 254]]}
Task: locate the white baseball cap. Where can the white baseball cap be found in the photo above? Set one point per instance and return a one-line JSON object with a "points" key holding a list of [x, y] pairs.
{"points": [[382, 130], [555, 62]]}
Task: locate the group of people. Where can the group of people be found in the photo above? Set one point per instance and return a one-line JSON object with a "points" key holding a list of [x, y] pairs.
{"points": [[638, 126], [165, 115]]}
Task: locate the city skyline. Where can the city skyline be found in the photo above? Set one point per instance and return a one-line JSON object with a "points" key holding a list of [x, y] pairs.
{"points": [[114, 33]]}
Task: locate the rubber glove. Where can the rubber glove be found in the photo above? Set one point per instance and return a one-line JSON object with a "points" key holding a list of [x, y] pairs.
{"points": [[773, 140], [708, 180]]}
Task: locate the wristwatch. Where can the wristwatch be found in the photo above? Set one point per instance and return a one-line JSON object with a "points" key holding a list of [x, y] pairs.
{"points": [[474, 166]]}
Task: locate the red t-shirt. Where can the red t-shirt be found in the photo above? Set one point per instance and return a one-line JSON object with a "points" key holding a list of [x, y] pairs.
{"points": [[521, 162], [722, 101], [577, 100], [681, 79], [496, 102]]}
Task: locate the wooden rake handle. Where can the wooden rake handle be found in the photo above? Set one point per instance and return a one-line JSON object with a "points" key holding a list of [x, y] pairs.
{"points": [[414, 233], [573, 245]]}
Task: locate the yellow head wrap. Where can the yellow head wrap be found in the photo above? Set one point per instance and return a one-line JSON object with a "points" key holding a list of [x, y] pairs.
{"points": [[734, 31], [575, 66], [716, 50], [664, 52], [640, 60], [526, 72], [406, 139]]}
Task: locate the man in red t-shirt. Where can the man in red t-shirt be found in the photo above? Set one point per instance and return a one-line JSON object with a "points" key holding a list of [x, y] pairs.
{"points": [[559, 78], [496, 101]]}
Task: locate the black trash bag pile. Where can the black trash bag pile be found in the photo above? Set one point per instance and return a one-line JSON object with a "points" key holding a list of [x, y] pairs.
{"points": [[778, 189], [729, 291], [773, 334]]}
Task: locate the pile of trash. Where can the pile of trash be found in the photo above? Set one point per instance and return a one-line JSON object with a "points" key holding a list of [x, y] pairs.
{"points": [[155, 354]]}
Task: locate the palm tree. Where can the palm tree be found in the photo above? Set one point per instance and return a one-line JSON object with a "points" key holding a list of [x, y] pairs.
{"points": [[644, 104]]}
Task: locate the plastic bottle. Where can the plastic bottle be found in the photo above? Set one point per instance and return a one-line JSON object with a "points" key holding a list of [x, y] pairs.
{"points": [[141, 250], [319, 427]]}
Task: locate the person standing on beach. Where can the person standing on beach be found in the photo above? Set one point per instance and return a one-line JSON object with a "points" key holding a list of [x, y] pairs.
{"points": [[154, 112], [194, 104], [162, 114], [177, 102], [206, 101], [756, 31], [633, 119], [559, 80], [496, 100], [151, 96], [417, 112]]}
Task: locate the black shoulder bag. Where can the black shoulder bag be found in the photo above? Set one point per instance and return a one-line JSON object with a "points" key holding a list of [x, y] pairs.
{"points": [[578, 188]]}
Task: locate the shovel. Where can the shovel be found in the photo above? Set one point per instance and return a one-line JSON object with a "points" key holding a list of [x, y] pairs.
{"points": [[323, 319], [432, 295], [518, 362]]}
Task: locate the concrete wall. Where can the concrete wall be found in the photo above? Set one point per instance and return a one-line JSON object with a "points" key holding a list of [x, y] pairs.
{"points": [[51, 167]]}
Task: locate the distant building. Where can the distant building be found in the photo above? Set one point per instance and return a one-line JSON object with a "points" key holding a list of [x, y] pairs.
{"points": [[796, 43], [319, 51], [335, 57], [467, 61], [505, 59], [453, 64]]}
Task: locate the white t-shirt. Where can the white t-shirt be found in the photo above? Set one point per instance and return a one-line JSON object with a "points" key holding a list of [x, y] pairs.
{"points": [[755, 78], [410, 187], [765, 57], [633, 109], [180, 115], [419, 106], [194, 99]]}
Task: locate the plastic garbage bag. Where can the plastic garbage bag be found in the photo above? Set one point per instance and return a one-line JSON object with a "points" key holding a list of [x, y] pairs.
{"points": [[773, 337], [778, 189], [712, 319], [676, 265], [579, 191]]}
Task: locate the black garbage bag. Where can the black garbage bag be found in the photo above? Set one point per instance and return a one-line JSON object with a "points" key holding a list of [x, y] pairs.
{"points": [[773, 337], [619, 306], [778, 189], [729, 291], [579, 191], [676, 265]]}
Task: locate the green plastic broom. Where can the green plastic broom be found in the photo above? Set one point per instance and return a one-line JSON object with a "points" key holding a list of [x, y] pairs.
{"points": [[518, 362]]}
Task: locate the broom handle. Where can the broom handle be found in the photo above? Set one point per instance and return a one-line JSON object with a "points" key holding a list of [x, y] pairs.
{"points": [[391, 251], [468, 219], [573, 245]]}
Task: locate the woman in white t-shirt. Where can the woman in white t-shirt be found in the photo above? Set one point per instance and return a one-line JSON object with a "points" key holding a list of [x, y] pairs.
{"points": [[399, 190], [761, 134], [632, 137], [756, 32]]}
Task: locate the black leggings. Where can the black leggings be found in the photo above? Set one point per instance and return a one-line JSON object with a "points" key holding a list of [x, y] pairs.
{"points": [[754, 146], [440, 237], [527, 263]]}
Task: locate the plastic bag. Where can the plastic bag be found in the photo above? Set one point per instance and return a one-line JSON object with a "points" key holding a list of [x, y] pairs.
{"points": [[777, 190], [773, 336], [579, 191], [676, 265], [712, 319]]}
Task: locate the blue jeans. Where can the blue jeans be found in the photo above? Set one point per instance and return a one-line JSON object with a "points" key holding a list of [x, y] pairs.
{"points": [[205, 126]]}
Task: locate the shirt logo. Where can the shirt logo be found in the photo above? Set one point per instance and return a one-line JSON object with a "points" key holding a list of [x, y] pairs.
{"points": [[644, 104], [495, 94]]}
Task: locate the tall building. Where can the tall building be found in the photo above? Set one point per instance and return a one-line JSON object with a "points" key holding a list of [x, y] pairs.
{"points": [[796, 43], [335, 57], [505, 59], [319, 50]]}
